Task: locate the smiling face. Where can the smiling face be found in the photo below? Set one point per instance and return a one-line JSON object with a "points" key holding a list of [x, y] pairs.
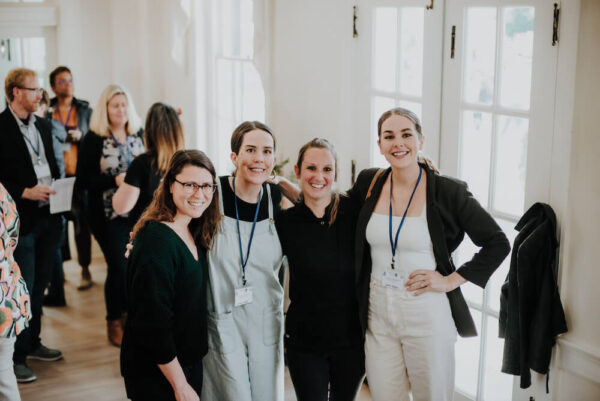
{"points": [[255, 159], [191, 205], [399, 141], [316, 174], [116, 109]]}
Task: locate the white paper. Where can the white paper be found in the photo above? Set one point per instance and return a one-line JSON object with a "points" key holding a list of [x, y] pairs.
{"points": [[61, 201]]}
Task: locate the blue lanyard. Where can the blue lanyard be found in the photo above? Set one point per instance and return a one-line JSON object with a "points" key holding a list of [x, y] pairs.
{"points": [[36, 149], [237, 219], [394, 243], [66, 122], [123, 149]]}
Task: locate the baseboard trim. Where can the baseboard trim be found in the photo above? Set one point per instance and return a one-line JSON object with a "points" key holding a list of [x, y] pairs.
{"points": [[581, 360]]}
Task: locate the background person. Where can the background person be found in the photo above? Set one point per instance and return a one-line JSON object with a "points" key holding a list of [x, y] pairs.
{"points": [[72, 115], [165, 335], [26, 171], [106, 153], [323, 340], [16, 307], [245, 302], [163, 136]]}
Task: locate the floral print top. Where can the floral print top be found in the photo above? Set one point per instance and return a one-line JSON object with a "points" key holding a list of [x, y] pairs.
{"points": [[15, 305], [115, 160]]}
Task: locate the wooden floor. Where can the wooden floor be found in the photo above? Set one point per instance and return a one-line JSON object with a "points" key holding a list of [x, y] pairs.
{"points": [[89, 370]]}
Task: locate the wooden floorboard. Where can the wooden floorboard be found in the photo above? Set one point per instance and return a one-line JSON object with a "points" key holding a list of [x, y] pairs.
{"points": [[89, 370]]}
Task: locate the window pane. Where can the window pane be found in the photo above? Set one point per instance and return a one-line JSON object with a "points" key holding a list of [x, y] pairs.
{"points": [[517, 53], [411, 50], [379, 105], [253, 102], [225, 90], [467, 359], [480, 55], [412, 106], [497, 385], [511, 163], [494, 286], [385, 44], [464, 253], [476, 142], [237, 28], [224, 130]]}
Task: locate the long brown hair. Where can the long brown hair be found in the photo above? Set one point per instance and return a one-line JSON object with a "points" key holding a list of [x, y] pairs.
{"points": [[399, 111], [163, 208], [321, 143], [163, 134]]}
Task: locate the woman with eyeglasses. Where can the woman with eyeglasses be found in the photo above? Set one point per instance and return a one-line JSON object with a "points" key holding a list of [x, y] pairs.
{"points": [[105, 155], [166, 333], [163, 136], [245, 302]]}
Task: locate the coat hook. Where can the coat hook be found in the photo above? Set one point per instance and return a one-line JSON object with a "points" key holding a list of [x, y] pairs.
{"points": [[430, 6]]}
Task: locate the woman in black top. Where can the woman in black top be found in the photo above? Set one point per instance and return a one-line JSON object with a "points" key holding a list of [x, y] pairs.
{"points": [[322, 331], [105, 155], [165, 333], [163, 136]]}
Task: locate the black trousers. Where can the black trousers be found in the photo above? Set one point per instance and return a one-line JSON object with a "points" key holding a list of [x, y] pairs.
{"points": [[334, 376], [158, 388]]}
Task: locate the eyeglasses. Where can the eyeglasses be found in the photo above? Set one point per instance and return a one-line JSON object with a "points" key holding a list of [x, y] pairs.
{"points": [[38, 91], [64, 81], [191, 188]]}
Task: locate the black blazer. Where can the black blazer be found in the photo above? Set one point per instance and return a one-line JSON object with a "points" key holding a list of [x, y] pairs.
{"points": [[451, 211], [16, 166]]}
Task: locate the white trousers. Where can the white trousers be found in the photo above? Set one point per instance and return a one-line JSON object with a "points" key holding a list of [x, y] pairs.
{"points": [[9, 391], [409, 345]]}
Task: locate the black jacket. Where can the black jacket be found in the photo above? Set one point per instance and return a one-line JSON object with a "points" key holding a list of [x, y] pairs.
{"points": [[451, 211], [84, 113], [531, 314], [16, 166]]}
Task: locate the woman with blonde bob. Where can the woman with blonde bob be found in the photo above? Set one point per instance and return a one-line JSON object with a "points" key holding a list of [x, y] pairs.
{"points": [[105, 155], [166, 332], [163, 136]]}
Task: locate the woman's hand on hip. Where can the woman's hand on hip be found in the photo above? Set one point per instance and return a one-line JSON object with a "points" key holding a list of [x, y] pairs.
{"points": [[421, 281]]}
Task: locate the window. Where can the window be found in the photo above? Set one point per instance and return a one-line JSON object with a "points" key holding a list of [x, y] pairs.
{"points": [[238, 89]]}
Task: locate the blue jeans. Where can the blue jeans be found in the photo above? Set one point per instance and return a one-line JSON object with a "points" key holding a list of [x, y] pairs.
{"points": [[35, 254]]}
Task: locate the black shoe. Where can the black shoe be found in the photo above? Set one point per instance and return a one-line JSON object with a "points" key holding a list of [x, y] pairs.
{"points": [[50, 300], [24, 373], [44, 353]]}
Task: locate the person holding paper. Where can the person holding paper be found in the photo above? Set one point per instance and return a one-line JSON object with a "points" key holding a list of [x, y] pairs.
{"points": [[106, 152], [27, 169]]}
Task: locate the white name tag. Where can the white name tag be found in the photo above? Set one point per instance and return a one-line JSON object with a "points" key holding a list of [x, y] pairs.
{"points": [[66, 147], [393, 279], [42, 170], [243, 296]]}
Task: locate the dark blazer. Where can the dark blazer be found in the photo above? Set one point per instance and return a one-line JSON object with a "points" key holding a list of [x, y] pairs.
{"points": [[531, 314], [16, 166], [451, 211]]}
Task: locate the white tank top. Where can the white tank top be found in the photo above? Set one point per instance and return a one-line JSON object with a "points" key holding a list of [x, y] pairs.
{"points": [[414, 251]]}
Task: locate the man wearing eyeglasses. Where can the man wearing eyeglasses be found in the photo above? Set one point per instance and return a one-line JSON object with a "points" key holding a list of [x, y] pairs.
{"points": [[27, 168], [73, 115]]}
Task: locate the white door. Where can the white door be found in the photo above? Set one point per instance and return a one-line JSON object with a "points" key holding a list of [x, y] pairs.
{"points": [[497, 124], [398, 64]]}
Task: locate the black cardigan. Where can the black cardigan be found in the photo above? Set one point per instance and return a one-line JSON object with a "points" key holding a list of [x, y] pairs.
{"points": [[531, 314], [451, 211], [16, 167]]}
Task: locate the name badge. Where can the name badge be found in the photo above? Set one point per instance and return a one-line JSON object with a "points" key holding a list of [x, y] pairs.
{"points": [[393, 279], [42, 170], [66, 147], [243, 296]]}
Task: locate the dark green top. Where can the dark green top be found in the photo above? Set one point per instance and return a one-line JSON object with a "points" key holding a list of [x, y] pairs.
{"points": [[166, 315]]}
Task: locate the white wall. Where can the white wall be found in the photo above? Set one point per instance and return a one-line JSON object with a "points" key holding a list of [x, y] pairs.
{"points": [[579, 356]]}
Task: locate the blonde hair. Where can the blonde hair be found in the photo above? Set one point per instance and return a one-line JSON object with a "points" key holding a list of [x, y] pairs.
{"points": [[16, 79], [99, 121]]}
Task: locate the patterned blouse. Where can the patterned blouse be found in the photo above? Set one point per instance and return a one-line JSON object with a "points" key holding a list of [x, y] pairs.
{"points": [[115, 160], [15, 308]]}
